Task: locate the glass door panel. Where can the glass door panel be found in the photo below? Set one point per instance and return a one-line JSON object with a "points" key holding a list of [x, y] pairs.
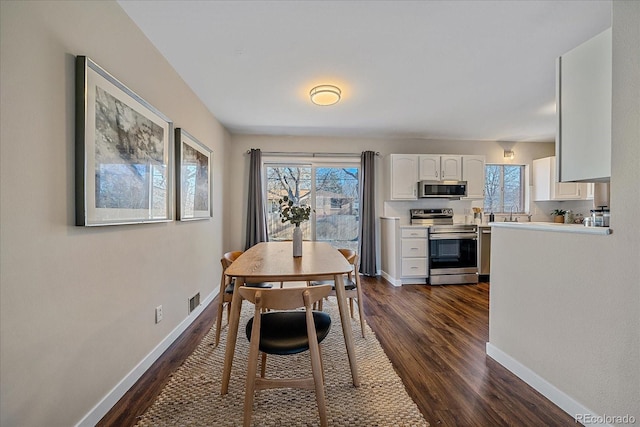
{"points": [[337, 206]]}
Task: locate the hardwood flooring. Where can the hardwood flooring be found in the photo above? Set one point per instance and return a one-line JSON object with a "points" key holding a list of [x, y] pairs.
{"points": [[435, 338]]}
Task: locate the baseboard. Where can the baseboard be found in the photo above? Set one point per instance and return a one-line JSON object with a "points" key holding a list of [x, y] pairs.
{"points": [[548, 390], [101, 409], [390, 279]]}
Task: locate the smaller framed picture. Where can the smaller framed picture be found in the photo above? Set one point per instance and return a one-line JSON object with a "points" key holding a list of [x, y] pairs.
{"points": [[193, 173]]}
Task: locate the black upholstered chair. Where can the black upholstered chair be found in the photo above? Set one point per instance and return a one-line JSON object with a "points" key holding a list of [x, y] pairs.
{"points": [[225, 295], [284, 333]]}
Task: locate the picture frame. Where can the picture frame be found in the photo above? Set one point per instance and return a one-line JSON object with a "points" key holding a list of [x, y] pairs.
{"points": [[193, 177], [124, 153]]}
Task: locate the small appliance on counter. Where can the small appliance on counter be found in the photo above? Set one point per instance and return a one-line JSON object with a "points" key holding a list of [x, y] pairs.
{"points": [[453, 249], [599, 217]]}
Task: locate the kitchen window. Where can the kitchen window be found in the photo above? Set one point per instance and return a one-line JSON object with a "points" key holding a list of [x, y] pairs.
{"points": [[332, 191], [504, 188]]}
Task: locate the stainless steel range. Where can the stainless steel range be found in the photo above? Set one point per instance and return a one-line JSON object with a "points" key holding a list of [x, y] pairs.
{"points": [[453, 249]]}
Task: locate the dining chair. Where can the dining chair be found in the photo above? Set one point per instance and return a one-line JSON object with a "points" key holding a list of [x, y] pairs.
{"points": [[353, 290], [286, 331], [226, 290]]}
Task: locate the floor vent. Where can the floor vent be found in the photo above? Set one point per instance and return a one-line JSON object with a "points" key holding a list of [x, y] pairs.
{"points": [[194, 302]]}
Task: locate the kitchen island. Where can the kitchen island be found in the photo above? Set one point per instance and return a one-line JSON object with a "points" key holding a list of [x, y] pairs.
{"points": [[551, 303]]}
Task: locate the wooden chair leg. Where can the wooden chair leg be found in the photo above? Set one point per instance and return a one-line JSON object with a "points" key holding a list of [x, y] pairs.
{"points": [[361, 313], [252, 367], [318, 374], [351, 307], [263, 365], [219, 322]]}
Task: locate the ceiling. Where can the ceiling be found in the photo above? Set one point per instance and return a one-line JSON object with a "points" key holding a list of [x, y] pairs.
{"points": [[464, 70]]}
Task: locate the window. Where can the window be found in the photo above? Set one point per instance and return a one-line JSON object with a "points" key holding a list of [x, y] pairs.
{"points": [[504, 188], [331, 191]]}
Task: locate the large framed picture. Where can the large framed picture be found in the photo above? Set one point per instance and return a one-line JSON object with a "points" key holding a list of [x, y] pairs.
{"points": [[124, 160], [193, 171]]}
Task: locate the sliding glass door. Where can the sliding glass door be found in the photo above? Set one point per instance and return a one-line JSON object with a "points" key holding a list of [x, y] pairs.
{"points": [[330, 189]]}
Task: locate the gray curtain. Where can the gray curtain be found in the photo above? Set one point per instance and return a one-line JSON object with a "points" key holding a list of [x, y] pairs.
{"points": [[256, 212], [367, 214]]}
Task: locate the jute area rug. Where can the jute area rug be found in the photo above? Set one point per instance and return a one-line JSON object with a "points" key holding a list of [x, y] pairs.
{"points": [[192, 396]]}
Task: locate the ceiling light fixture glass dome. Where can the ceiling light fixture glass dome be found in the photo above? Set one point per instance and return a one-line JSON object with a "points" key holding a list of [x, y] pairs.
{"points": [[325, 95]]}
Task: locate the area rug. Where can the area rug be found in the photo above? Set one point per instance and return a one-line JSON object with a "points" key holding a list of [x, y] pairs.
{"points": [[192, 395]]}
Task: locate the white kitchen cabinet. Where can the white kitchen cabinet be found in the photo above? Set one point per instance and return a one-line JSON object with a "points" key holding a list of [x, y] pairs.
{"points": [[591, 187], [473, 171], [583, 94], [546, 187], [440, 167], [414, 251], [404, 252], [403, 176]]}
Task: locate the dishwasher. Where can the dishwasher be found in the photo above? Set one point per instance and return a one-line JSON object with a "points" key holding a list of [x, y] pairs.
{"points": [[484, 253]]}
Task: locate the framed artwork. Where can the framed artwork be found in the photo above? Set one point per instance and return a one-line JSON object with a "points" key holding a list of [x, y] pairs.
{"points": [[193, 183], [124, 161]]}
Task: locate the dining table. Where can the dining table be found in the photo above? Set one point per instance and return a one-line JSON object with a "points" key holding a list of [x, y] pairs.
{"points": [[274, 262]]}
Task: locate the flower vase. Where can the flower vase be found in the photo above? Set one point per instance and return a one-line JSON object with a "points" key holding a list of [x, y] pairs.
{"points": [[297, 241]]}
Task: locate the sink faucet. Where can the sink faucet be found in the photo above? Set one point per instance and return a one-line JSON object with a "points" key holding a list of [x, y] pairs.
{"points": [[511, 215]]}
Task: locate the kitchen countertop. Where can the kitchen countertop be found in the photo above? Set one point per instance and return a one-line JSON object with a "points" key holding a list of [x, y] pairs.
{"points": [[553, 227]]}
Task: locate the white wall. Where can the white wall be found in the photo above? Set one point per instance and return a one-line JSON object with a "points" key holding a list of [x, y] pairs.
{"points": [[77, 304], [567, 307], [238, 162]]}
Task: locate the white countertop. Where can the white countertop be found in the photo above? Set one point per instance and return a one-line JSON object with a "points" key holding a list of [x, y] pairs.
{"points": [[553, 227]]}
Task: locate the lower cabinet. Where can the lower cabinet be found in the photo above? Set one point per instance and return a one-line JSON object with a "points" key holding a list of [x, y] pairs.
{"points": [[404, 252], [414, 251]]}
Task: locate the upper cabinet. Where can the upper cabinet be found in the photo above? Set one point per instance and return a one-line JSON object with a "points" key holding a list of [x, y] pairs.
{"points": [[440, 168], [405, 170], [473, 171], [546, 187], [403, 176], [583, 96]]}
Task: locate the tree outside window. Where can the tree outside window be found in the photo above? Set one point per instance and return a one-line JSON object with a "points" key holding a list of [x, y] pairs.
{"points": [[331, 191], [504, 188]]}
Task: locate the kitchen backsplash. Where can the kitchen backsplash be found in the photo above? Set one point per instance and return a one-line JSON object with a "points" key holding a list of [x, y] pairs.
{"points": [[540, 211]]}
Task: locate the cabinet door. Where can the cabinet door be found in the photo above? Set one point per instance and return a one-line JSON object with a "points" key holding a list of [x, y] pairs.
{"points": [[451, 168], [567, 191], [584, 77], [589, 190], [429, 168], [404, 176], [474, 173]]}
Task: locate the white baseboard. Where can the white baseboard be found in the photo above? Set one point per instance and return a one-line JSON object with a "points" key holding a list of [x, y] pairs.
{"points": [[101, 409], [390, 279], [548, 390]]}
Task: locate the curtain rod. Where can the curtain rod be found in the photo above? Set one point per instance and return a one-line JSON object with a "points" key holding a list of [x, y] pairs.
{"points": [[301, 154]]}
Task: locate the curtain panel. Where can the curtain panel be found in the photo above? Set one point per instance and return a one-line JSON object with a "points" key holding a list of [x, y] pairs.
{"points": [[256, 230], [367, 216]]}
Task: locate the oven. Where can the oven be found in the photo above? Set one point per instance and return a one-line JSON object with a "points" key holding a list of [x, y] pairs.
{"points": [[453, 254]]}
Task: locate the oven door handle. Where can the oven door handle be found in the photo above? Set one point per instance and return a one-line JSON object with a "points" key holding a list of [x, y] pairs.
{"points": [[453, 236]]}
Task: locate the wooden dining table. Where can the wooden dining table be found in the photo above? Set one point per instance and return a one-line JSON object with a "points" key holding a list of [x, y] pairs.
{"points": [[274, 262]]}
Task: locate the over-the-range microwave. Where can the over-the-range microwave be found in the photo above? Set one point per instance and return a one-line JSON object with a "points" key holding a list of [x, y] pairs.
{"points": [[442, 189]]}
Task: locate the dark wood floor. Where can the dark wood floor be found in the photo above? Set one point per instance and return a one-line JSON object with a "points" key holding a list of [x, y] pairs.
{"points": [[435, 338]]}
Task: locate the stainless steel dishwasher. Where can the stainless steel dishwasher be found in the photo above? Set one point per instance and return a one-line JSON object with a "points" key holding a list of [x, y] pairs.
{"points": [[484, 253]]}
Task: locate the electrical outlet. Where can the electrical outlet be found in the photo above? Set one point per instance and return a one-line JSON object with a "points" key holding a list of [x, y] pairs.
{"points": [[158, 314]]}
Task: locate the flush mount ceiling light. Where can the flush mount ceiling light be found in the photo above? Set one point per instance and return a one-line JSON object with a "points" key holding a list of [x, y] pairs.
{"points": [[325, 95]]}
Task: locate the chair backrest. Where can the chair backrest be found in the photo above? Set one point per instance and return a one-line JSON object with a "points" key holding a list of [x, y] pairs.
{"points": [[228, 258], [349, 254], [352, 258], [285, 298]]}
